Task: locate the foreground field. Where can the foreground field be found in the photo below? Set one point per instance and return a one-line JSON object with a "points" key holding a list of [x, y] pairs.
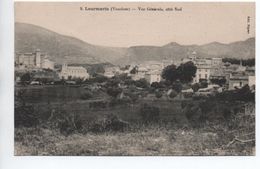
{"points": [[62, 123], [151, 141]]}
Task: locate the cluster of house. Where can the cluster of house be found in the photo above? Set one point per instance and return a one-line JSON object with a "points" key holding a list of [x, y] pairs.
{"points": [[150, 70], [208, 69], [37, 61]]}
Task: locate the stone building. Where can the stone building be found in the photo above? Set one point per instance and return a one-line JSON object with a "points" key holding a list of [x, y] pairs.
{"points": [[71, 72]]}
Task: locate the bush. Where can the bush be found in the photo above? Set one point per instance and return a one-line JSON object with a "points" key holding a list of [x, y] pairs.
{"points": [[173, 94], [149, 114], [110, 122], [86, 95], [123, 101], [142, 83], [195, 87], [177, 86], [69, 122], [114, 91], [158, 94], [26, 116]]}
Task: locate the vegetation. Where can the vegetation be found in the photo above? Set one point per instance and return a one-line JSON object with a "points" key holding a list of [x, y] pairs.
{"points": [[131, 117], [245, 62], [184, 73], [149, 114]]}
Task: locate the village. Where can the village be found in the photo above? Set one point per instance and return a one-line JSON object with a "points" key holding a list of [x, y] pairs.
{"points": [[212, 74]]}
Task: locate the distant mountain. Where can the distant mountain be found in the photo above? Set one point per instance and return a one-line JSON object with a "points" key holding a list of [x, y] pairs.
{"points": [[71, 50], [62, 48], [173, 50]]}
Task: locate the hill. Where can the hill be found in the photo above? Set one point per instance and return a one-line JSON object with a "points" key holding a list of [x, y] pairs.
{"points": [[68, 49], [62, 48]]}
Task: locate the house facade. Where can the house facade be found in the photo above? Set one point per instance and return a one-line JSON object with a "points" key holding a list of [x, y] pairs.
{"points": [[70, 72]]}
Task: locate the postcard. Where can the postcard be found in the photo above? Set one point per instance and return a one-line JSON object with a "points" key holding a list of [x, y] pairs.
{"points": [[134, 79]]}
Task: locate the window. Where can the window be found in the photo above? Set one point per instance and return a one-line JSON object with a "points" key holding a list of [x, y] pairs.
{"points": [[200, 76], [206, 76]]}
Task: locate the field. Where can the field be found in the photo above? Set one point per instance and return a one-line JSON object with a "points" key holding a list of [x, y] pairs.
{"points": [[174, 133]]}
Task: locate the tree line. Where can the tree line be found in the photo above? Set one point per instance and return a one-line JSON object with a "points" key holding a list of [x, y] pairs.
{"points": [[245, 62]]}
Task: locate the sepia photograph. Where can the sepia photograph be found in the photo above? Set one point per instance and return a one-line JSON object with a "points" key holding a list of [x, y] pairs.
{"points": [[134, 79]]}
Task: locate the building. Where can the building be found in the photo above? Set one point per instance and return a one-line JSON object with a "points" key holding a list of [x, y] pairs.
{"points": [[205, 66], [216, 61], [34, 60], [111, 71], [47, 64], [203, 73], [154, 76], [71, 72], [251, 80], [140, 74], [237, 81]]}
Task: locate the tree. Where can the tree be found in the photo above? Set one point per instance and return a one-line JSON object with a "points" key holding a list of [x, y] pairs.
{"points": [[134, 70], [219, 82], [195, 87], [170, 73], [157, 85], [177, 86], [187, 72]]}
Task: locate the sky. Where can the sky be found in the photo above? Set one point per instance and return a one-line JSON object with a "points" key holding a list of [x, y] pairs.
{"points": [[197, 23]]}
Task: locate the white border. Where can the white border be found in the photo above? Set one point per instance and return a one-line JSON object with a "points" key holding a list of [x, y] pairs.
{"points": [[9, 161]]}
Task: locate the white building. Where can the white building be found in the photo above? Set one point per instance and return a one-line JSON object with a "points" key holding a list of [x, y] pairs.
{"points": [[73, 72], [47, 64], [216, 61], [154, 76], [111, 71], [203, 72], [251, 80], [140, 74]]}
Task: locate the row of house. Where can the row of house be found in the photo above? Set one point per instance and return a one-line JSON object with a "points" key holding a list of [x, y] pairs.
{"points": [[236, 76]]}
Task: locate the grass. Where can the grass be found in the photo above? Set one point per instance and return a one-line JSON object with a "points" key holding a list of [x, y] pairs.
{"points": [[149, 141], [220, 137]]}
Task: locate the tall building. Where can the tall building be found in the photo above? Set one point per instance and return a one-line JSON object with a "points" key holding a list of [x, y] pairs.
{"points": [[34, 60]]}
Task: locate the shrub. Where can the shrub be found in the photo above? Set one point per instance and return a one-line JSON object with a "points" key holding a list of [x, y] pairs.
{"points": [[177, 86], [110, 122], [195, 87], [26, 116], [149, 114], [173, 94], [158, 94], [86, 95], [114, 91], [141, 83]]}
